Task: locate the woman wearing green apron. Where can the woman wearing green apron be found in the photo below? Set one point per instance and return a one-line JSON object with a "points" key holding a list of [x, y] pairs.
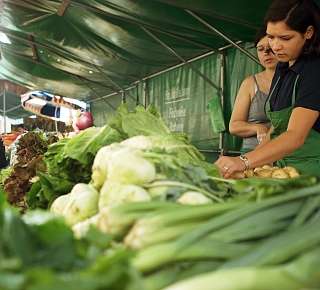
{"points": [[293, 106]]}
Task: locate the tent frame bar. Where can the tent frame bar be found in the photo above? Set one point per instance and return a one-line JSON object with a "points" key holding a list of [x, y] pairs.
{"points": [[221, 34], [63, 7], [33, 47], [170, 49], [13, 108]]}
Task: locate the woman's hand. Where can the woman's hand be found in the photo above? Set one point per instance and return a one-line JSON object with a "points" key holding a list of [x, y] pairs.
{"points": [[262, 132], [228, 166], [264, 138]]}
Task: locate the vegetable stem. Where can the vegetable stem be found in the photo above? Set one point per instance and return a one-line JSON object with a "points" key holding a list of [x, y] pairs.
{"points": [[184, 185]]}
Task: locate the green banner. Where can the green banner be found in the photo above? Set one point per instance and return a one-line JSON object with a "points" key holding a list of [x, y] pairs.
{"points": [[182, 96]]}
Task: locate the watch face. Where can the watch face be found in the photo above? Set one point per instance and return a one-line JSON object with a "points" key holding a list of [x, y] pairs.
{"points": [[245, 160]]}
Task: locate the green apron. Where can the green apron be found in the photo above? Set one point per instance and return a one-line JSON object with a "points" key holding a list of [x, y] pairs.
{"points": [[307, 158]]}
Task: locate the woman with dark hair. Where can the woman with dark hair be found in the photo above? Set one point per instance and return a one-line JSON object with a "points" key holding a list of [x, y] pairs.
{"points": [[293, 30], [249, 119]]}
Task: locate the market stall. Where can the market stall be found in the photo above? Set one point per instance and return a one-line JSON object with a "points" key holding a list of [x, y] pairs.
{"points": [[132, 203]]}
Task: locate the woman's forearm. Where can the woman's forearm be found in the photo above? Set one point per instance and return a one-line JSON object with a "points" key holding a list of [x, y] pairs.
{"points": [[275, 149], [243, 129]]}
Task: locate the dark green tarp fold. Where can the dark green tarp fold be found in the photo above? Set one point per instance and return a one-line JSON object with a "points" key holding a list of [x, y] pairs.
{"points": [[97, 47]]}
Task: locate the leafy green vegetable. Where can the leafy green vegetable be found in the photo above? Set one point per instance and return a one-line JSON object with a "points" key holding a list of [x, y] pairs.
{"points": [[39, 251], [28, 159], [40, 240], [69, 162], [139, 122], [84, 146]]}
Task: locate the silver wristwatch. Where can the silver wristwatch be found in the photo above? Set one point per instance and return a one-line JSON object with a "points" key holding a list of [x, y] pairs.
{"points": [[245, 161]]}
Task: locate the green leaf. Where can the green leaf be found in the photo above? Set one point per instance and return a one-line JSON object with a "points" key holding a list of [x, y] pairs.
{"points": [[142, 122], [19, 238], [34, 196], [85, 145], [55, 240]]}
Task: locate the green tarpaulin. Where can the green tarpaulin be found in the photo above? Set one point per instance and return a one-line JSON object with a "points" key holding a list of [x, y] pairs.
{"points": [[97, 46]]}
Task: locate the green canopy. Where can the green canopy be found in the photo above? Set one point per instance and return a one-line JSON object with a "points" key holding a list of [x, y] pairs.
{"points": [[89, 48]]}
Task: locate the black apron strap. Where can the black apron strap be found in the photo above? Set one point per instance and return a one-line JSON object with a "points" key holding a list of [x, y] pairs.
{"points": [[294, 93], [267, 104]]}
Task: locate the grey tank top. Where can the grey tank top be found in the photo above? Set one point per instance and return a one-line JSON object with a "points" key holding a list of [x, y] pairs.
{"points": [[256, 115]]}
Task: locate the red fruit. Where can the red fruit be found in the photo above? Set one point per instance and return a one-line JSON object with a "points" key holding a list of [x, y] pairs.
{"points": [[84, 121]]}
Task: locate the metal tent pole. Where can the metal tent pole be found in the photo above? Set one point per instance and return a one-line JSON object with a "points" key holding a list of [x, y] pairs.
{"points": [[137, 96], [93, 90], [180, 58], [4, 111], [145, 93], [55, 121], [13, 108], [56, 126], [221, 34], [222, 84], [123, 97]]}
